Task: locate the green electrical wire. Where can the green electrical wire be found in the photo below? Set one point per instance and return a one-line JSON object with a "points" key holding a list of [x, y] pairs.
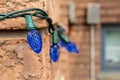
{"points": [[20, 13], [31, 11], [23, 15]]}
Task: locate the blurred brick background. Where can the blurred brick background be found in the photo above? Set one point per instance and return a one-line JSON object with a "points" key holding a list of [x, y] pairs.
{"points": [[80, 64]]}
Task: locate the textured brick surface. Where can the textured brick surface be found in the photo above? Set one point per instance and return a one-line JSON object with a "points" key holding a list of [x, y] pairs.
{"points": [[17, 60]]}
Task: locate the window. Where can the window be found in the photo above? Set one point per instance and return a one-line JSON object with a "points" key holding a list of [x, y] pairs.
{"points": [[110, 48]]}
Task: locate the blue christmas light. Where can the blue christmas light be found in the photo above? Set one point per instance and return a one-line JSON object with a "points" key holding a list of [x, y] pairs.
{"points": [[54, 48], [62, 43], [62, 29], [33, 37], [35, 40], [65, 42], [54, 52], [70, 46]]}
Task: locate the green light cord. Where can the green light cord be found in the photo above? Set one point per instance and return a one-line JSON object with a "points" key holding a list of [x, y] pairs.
{"points": [[20, 13], [23, 15], [15, 15], [38, 13], [62, 36], [31, 11]]}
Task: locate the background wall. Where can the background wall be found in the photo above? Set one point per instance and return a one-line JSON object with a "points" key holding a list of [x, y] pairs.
{"points": [[17, 60], [80, 34]]}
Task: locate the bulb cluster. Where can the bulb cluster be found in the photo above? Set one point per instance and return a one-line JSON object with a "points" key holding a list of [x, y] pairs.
{"points": [[34, 37], [59, 37]]}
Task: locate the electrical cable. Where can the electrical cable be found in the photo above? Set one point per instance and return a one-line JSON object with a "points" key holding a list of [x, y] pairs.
{"points": [[21, 14]]}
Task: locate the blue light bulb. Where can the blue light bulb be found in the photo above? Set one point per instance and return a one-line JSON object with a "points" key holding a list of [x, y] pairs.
{"points": [[54, 52], [62, 29], [65, 42], [35, 40], [62, 43], [71, 47]]}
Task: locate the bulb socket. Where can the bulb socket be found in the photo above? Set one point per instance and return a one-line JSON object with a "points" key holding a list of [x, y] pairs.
{"points": [[55, 37], [30, 23], [63, 37]]}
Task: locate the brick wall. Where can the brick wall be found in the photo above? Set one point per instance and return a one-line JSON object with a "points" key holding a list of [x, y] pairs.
{"points": [[80, 64], [17, 60]]}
